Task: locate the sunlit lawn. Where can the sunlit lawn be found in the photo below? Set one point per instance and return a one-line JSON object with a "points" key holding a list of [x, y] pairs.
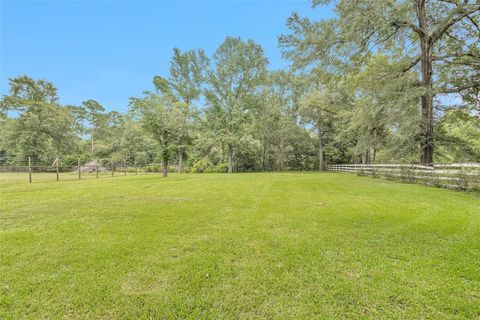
{"points": [[212, 246]]}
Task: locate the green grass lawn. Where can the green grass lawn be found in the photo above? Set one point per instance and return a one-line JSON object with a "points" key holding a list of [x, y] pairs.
{"points": [[213, 246]]}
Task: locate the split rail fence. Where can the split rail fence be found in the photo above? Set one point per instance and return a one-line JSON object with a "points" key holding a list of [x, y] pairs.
{"points": [[462, 176]]}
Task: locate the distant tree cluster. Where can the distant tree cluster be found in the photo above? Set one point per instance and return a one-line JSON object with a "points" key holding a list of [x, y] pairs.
{"points": [[367, 86]]}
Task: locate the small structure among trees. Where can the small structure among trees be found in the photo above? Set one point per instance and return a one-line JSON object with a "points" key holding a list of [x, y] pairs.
{"points": [[93, 166]]}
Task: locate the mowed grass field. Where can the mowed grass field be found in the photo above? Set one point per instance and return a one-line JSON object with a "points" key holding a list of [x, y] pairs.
{"points": [[241, 246]]}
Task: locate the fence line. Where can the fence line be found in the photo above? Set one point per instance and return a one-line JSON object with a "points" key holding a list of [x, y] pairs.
{"points": [[463, 176], [92, 169]]}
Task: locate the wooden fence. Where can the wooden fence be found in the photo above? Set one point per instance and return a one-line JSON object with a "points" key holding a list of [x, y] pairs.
{"points": [[462, 176]]}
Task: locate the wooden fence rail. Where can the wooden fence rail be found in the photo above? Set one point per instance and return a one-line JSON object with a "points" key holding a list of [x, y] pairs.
{"points": [[463, 176]]}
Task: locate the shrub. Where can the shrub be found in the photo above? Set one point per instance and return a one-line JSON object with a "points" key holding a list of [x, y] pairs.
{"points": [[462, 179], [362, 173], [407, 174], [390, 175], [154, 168], [219, 168], [436, 181], [201, 166]]}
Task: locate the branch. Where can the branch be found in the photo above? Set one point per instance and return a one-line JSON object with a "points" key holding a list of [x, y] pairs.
{"points": [[450, 1], [413, 64], [452, 19], [454, 55], [459, 89], [474, 23], [418, 30]]}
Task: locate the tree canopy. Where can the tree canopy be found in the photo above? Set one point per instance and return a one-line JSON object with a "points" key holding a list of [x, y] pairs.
{"points": [[368, 85]]}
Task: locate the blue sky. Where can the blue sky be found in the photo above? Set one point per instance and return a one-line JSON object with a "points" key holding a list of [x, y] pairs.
{"points": [[110, 50]]}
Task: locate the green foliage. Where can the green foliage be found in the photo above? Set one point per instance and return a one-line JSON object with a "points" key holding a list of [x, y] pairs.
{"points": [[458, 136], [201, 165], [93, 113], [43, 130], [239, 67], [407, 174], [428, 48], [187, 73], [384, 113], [353, 95], [162, 118]]}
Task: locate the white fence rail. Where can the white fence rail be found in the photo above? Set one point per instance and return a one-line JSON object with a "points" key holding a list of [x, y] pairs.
{"points": [[463, 176]]}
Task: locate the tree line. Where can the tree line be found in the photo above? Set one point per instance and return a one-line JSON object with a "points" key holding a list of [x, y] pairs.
{"points": [[367, 86]]}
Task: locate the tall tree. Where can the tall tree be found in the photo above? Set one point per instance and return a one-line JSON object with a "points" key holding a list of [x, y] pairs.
{"points": [[319, 107], [436, 38], [95, 116], [187, 74], [239, 67], [111, 137], [135, 144], [384, 107], [40, 128], [274, 118], [160, 116]]}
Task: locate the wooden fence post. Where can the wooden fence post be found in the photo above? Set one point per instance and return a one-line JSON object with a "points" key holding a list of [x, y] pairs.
{"points": [[29, 170], [135, 167], [79, 171], [96, 167], [125, 167], [56, 166], [111, 167], [145, 166]]}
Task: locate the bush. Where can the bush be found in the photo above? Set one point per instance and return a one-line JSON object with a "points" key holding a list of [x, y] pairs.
{"points": [[219, 168], [463, 179], [407, 174], [436, 181], [201, 166], [390, 175], [205, 166], [154, 168], [362, 173]]}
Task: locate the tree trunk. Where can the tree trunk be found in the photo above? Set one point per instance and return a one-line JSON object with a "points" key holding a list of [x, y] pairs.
{"points": [[264, 153], [363, 158], [321, 164], [165, 153], [222, 154], [230, 158], [165, 169], [92, 148], [180, 161], [426, 140], [279, 157]]}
